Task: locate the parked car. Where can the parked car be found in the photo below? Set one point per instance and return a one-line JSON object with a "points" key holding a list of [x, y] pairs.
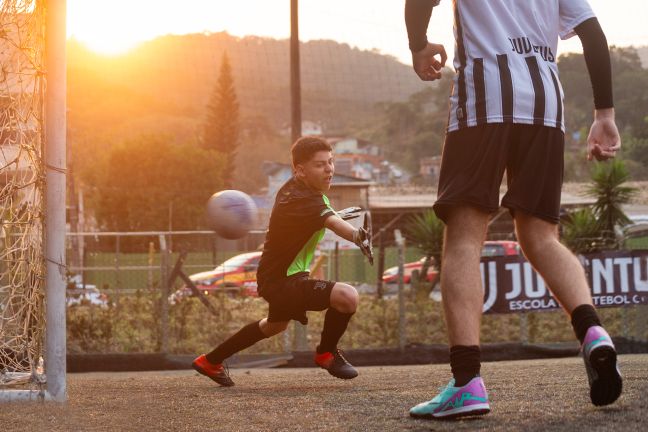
{"points": [[237, 275], [78, 293], [491, 248], [500, 248], [391, 274]]}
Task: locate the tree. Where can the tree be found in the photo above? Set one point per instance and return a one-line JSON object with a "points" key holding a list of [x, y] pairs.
{"points": [[260, 142], [610, 193], [425, 231], [221, 130], [410, 130], [628, 75], [154, 184], [636, 156], [631, 107]]}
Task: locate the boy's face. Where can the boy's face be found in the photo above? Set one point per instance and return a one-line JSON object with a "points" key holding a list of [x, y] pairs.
{"points": [[317, 173]]}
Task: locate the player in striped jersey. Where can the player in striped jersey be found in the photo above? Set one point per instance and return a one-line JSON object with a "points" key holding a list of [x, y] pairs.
{"points": [[506, 114]]}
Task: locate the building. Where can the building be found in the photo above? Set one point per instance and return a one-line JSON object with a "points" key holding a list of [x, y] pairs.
{"points": [[430, 168], [308, 128], [356, 157], [393, 208]]}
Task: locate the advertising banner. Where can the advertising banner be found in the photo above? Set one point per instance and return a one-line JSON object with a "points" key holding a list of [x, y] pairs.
{"points": [[616, 278]]}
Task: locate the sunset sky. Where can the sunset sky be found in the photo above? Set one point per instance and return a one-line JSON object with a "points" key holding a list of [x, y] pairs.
{"points": [[113, 27]]}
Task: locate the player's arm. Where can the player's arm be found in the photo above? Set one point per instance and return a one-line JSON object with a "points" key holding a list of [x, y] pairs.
{"points": [[344, 229], [603, 141], [424, 61], [340, 227]]}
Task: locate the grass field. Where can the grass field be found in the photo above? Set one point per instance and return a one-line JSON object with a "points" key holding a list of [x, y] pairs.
{"points": [[637, 243], [534, 395]]}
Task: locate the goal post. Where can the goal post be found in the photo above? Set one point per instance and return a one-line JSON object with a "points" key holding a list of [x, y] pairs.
{"points": [[32, 205], [55, 184]]}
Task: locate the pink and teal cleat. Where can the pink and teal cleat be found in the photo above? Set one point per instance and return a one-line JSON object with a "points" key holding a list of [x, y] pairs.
{"points": [[454, 402], [601, 365]]}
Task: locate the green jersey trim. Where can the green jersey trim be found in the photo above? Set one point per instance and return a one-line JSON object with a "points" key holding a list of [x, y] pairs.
{"points": [[304, 258]]}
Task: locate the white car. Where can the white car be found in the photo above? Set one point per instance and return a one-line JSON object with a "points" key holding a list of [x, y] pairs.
{"points": [[78, 293], [638, 226]]}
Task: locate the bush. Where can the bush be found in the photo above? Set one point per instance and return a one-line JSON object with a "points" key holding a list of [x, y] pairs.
{"points": [[132, 325]]}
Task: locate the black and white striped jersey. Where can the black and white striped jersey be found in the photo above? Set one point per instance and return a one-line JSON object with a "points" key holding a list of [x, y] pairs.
{"points": [[505, 59]]}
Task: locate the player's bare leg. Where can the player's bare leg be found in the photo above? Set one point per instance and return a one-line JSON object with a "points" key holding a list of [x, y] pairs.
{"points": [[463, 300], [565, 276], [461, 284], [344, 298], [270, 329], [557, 265]]}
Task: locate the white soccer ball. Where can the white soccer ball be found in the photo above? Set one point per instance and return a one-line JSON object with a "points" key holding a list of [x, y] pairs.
{"points": [[231, 213]]}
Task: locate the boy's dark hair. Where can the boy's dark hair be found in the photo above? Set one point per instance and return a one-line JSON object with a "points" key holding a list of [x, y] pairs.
{"points": [[305, 147]]}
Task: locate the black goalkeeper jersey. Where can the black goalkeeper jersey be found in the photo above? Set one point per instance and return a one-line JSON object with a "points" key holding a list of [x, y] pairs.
{"points": [[296, 227]]}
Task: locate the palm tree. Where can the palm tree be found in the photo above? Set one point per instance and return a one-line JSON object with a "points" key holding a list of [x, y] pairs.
{"points": [[582, 233], [425, 231], [610, 193]]}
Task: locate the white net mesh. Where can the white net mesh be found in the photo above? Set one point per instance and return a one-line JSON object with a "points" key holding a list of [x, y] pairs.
{"points": [[22, 316]]}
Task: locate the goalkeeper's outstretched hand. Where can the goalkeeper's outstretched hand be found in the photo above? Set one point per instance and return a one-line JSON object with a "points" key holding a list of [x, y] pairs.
{"points": [[362, 239]]}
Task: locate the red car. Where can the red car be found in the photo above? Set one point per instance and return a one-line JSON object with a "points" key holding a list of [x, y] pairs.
{"points": [[500, 248], [391, 274], [237, 275], [491, 248]]}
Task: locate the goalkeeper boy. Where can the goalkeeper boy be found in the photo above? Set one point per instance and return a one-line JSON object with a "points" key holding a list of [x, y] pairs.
{"points": [[298, 220]]}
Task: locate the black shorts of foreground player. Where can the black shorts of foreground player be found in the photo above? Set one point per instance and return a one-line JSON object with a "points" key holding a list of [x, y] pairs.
{"points": [[300, 215]]}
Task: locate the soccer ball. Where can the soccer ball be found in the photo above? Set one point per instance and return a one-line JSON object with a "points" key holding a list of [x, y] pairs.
{"points": [[231, 213]]}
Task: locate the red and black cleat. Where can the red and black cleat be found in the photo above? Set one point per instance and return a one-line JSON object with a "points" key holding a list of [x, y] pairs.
{"points": [[216, 372], [336, 365]]}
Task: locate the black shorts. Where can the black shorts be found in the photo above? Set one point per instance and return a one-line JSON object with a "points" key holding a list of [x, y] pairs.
{"points": [[290, 298], [474, 160]]}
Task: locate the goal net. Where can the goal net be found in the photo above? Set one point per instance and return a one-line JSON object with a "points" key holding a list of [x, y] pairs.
{"points": [[22, 269]]}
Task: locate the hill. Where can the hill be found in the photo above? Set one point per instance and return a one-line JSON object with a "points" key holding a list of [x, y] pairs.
{"points": [[165, 83]]}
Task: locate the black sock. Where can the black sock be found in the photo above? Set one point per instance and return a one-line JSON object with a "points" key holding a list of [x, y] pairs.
{"points": [[582, 318], [246, 337], [335, 324], [465, 363]]}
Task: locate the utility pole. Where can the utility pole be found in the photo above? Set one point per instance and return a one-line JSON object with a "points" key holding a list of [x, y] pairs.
{"points": [[295, 75], [301, 338]]}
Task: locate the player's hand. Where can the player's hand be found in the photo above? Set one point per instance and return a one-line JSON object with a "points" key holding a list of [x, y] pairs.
{"points": [[603, 141], [362, 240], [349, 213], [425, 63]]}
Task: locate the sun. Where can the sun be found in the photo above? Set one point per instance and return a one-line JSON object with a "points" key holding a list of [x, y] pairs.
{"points": [[116, 26], [112, 27], [106, 46]]}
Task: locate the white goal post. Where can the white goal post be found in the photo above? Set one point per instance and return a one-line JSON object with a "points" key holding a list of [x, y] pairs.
{"points": [[46, 362]]}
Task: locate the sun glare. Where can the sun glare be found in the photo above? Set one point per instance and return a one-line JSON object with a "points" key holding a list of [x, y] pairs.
{"points": [[106, 46], [112, 27], [117, 26]]}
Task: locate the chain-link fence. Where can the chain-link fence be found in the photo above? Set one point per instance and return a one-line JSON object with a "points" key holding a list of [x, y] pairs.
{"points": [[118, 300]]}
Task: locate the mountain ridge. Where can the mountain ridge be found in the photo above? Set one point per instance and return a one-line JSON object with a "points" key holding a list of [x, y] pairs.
{"points": [[179, 72]]}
